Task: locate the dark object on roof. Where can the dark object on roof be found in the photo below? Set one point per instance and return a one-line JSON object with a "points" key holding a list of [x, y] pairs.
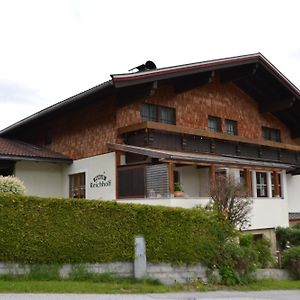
{"points": [[17, 150], [149, 65]]}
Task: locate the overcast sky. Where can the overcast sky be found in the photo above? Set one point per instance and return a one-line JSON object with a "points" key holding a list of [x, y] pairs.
{"points": [[51, 50]]}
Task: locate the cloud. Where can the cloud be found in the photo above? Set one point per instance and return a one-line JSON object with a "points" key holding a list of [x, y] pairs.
{"points": [[12, 92]]}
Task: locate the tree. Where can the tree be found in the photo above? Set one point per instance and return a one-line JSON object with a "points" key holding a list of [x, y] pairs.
{"points": [[231, 200]]}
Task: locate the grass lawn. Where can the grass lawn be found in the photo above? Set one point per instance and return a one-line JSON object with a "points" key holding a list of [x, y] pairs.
{"points": [[129, 286], [33, 286]]}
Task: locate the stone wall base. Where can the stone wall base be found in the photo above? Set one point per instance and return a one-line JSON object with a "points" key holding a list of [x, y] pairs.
{"points": [[164, 272]]}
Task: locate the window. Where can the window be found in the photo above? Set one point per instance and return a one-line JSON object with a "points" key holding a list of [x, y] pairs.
{"points": [[214, 124], [231, 127], [271, 134], [156, 113], [261, 184], [77, 185], [131, 182]]}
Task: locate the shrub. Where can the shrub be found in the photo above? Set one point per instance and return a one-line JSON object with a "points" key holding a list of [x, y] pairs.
{"points": [[291, 261], [49, 231], [239, 262], [289, 236], [262, 248], [11, 185]]}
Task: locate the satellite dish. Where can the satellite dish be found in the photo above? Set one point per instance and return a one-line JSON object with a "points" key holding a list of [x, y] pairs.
{"points": [[149, 65]]}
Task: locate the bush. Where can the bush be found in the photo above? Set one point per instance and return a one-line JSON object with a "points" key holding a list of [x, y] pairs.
{"points": [[262, 248], [11, 185], [291, 261], [49, 231], [289, 236], [238, 261]]}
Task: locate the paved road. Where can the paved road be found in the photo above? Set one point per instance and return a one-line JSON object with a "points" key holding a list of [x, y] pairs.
{"points": [[220, 295]]}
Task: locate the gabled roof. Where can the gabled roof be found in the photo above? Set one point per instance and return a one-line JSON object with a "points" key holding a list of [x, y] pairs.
{"points": [[121, 80], [17, 150], [252, 73]]}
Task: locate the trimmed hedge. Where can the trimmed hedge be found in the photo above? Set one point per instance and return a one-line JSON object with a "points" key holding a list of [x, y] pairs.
{"points": [[40, 230]]}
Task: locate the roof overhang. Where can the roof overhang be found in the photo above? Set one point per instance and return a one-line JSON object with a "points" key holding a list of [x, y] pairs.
{"points": [[15, 150], [200, 159], [35, 159], [67, 103], [122, 80]]}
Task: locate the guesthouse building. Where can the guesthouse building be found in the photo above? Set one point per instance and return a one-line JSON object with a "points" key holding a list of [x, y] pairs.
{"points": [[137, 136]]}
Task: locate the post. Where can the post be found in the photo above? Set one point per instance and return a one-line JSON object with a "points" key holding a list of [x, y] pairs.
{"points": [[276, 184], [253, 180], [248, 181], [140, 260], [212, 176], [269, 185], [171, 179]]}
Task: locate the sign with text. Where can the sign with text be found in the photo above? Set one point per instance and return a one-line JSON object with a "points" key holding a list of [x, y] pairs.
{"points": [[100, 181]]}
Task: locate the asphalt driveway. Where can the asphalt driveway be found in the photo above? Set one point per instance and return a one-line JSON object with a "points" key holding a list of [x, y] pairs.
{"points": [[219, 295]]}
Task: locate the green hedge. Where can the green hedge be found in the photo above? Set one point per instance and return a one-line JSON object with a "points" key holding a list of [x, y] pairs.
{"points": [[39, 230]]}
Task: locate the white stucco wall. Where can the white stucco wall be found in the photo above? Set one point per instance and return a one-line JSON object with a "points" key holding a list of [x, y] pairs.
{"points": [[293, 191], [189, 178], [171, 202], [195, 181], [104, 164], [266, 212], [40, 179], [269, 213]]}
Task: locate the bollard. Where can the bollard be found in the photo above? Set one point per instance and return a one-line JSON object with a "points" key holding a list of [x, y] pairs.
{"points": [[140, 261]]}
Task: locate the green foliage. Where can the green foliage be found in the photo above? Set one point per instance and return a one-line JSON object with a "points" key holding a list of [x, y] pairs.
{"points": [[263, 251], [238, 263], [238, 260], [55, 231], [11, 185], [289, 236], [291, 261], [177, 187]]}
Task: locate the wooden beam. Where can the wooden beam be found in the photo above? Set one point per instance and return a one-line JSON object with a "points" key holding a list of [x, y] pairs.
{"points": [[171, 178], [276, 184], [248, 183], [212, 176], [276, 105]]}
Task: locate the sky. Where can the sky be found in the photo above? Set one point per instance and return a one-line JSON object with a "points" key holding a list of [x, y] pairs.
{"points": [[52, 50]]}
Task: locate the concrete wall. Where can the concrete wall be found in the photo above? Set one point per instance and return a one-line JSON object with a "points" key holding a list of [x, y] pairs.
{"points": [[40, 179], [164, 272], [104, 164]]}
